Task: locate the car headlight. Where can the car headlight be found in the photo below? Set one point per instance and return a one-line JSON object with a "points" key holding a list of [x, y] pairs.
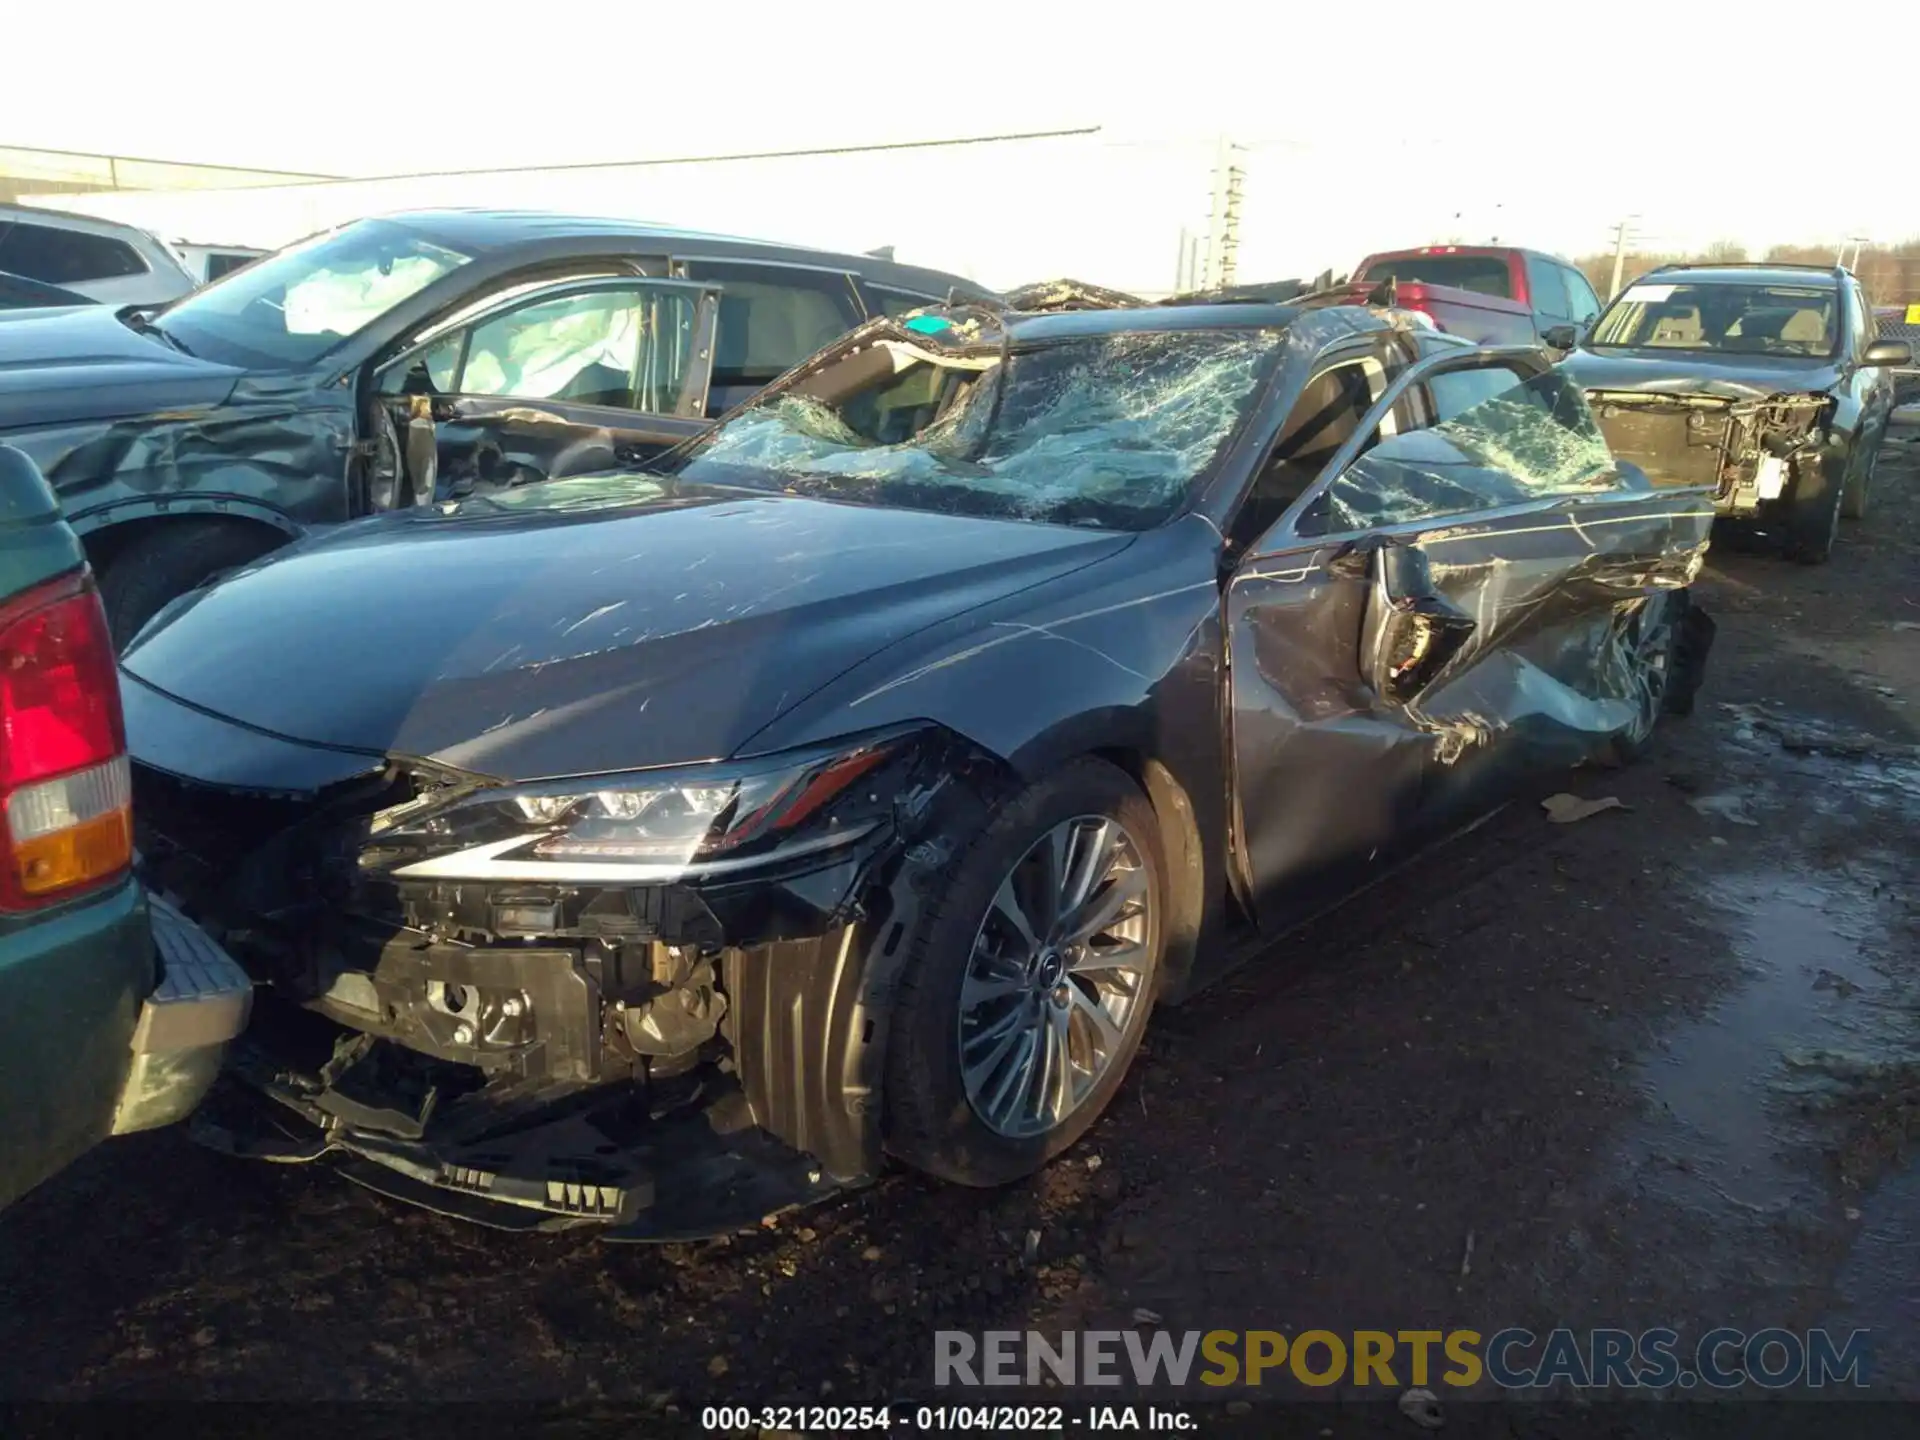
{"points": [[658, 825]]}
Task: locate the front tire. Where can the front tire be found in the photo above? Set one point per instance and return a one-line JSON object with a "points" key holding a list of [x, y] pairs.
{"points": [[1857, 497], [167, 562], [1029, 983], [1651, 642], [1814, 526]]}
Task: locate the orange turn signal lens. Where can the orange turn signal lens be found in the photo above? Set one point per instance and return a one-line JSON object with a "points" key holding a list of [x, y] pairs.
{"points": [[93, 850], [67, 834]]}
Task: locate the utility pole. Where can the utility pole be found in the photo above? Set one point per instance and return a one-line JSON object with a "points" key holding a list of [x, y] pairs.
{"points": [[1223, 244], [1622, 233]]}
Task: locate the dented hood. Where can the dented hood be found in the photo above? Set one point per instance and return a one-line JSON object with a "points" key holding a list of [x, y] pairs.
{"points": [[1697, 372], [59, 366], [516, 639]]}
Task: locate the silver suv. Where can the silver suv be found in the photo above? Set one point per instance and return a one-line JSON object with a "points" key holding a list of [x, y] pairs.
{"points": [[101, 259]]}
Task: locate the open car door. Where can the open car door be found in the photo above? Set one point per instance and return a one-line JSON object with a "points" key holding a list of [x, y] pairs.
{"points": [[1452, 604], [559, 379]]}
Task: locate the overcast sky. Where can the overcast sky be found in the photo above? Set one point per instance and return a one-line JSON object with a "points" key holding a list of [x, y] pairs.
{"points": [[1541, 123]]}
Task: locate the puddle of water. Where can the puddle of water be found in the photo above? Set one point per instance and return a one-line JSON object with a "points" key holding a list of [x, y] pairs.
{"points": [[1857, 770], [1811, 1009]]}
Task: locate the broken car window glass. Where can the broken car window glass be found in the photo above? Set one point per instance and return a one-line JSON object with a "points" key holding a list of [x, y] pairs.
{"points": [[1507, 441], [1106, 431], [289, 309], [1727, 316]]}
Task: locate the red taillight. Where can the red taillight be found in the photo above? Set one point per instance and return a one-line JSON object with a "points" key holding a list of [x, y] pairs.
{"points": [[63, 768]]}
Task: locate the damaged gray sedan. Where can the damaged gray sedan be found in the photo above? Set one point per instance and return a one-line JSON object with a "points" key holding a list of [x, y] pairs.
{"points": [[656, 851]]}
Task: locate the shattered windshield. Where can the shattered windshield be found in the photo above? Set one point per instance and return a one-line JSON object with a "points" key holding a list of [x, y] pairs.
{"points": [[1105, 431], [291, 308], [1732, 317]]}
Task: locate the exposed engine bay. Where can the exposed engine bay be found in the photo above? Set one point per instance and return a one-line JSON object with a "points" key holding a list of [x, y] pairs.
{"points": [[1747, 451]]}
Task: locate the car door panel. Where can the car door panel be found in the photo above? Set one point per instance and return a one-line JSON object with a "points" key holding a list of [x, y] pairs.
{"points": [[1327, 776], [1314, 756]]}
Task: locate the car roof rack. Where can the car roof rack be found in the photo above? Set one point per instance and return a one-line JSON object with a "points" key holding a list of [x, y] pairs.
{"points": [[1839, 270]]}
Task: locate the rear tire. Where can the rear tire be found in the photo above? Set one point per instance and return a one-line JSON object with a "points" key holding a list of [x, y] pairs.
{"points": [[169, 561], [979, 1007]]}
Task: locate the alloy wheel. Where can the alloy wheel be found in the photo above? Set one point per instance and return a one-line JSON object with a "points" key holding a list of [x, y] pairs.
{"points": [[1057, 981]]}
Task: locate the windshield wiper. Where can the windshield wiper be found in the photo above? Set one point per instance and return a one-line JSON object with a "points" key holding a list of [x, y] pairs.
{"points": [[136, 317]]}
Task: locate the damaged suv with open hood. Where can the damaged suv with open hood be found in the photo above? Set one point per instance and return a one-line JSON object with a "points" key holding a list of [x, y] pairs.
{"points": [[1768, 383], [657, 850]]}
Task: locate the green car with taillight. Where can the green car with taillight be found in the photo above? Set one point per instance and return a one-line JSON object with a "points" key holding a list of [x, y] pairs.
{"points": [[115, 1009]]}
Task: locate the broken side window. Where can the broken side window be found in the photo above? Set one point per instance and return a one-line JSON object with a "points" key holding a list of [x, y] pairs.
{"points": [[1501, 440], [1108, 431]]}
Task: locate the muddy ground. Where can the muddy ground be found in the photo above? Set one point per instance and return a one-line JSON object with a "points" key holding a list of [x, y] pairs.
{"points": [[1661, 1066]]}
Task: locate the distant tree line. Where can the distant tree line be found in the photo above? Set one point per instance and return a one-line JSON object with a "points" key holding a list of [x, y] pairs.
{"points": [[1890, 273]]}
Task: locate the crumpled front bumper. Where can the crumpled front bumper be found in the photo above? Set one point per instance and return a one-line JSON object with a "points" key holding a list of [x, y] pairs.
{"points": [[180, 1039], [662, 1060], [700, 1168]]}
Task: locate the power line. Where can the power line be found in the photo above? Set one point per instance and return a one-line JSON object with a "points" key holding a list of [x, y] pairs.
{"points": [[174, 164], [954, 143]]}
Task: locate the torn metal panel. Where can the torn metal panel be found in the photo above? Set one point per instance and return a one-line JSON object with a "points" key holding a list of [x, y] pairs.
{"points": [[1271, 292], [1051, 295]]}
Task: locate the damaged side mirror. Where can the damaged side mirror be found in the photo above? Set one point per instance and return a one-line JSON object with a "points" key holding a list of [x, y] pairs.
{"points": [[1561, 337], [1896, 353], [1411, 631]]}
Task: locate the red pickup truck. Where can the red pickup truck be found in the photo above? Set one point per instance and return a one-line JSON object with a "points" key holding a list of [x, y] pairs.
{"points": [[1490, 294]]}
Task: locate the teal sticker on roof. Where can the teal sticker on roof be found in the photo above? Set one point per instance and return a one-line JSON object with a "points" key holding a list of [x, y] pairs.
{"points": [[929, 324]]}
